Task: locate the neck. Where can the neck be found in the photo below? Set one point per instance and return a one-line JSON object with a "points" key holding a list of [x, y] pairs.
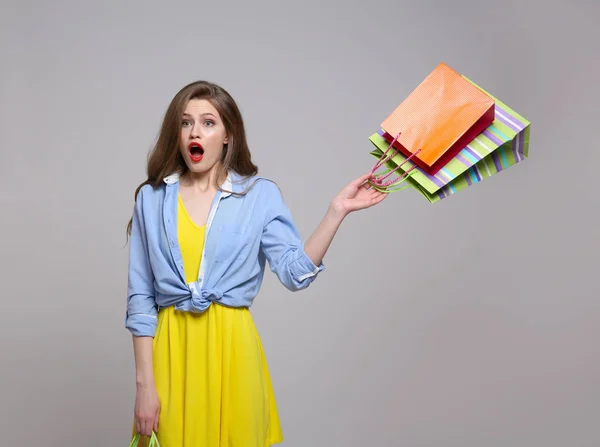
{"points": [[202, 181]]}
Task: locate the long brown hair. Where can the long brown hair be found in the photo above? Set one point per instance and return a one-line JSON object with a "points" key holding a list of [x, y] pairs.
{"points": [[166, 158]]}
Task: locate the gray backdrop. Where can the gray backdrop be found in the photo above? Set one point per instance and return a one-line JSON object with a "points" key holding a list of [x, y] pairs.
{"points": [[475, 324]]}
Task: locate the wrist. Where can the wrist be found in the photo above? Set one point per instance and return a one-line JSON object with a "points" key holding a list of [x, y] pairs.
{"points": [[144, 382], [336, 212]]}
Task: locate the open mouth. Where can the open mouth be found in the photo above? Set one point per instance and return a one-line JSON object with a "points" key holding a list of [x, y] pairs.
{"points": [[196, 152]]}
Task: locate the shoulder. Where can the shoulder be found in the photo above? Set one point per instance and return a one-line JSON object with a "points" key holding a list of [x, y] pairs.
{"points": [[266, 189], [254, 185], [149, 191], [150, 195]]}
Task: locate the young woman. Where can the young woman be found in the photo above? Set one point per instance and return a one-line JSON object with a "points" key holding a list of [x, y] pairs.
{"points": [[203, 228]]}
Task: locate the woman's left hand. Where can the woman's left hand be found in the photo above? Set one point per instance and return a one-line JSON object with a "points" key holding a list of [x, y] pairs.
{"points": [[357, 195]]}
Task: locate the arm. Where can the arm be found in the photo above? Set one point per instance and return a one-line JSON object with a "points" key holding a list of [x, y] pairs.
{"points": [[141, 320], [282, 246], [296, 265], [141, 315], [142, 353], [147, 404], [318, 243]]}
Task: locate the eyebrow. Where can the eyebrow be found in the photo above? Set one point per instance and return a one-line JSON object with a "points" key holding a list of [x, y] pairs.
{"points": [[204, 114]]}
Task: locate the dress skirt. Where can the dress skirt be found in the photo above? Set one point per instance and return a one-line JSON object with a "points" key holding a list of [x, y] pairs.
{"points": [[213, 381]]}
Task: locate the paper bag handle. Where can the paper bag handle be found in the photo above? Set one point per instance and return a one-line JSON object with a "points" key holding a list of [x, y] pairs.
{"points": [[136, 439], [378, 181]]}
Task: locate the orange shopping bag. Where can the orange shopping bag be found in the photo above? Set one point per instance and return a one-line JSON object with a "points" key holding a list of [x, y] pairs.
{"points": [[438, 119]]}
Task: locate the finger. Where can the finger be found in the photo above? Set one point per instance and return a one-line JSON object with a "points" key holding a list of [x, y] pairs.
{"points": [[156, 421], [138, 427], [375, 199], [374, 194], [148, 427], [380, 199]]}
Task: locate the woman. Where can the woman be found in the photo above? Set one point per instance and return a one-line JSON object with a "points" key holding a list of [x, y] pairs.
{"points": [[204, 226]]}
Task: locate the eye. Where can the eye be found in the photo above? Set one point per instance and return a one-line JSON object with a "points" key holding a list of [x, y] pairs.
{"points": [[185, 123], [209, 123]]}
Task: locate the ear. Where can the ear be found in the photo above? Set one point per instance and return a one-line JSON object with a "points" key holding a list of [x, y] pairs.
{"points": [[226, 141]]}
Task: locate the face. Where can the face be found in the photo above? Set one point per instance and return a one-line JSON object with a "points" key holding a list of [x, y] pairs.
{"points": [[202, 136]]}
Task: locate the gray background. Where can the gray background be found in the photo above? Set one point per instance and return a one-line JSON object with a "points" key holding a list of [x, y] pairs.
{"points": [[474, 322]]}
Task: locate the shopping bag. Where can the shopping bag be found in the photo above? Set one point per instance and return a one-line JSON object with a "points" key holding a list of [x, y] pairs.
{"points": [[439, 118], [136, 439], [501, 145]]}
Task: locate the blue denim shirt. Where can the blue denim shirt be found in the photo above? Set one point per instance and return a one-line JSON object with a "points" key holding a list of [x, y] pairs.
{"points": [[242, 233]]}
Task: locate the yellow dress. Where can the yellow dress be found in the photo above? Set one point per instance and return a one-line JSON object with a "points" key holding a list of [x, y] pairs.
{"points": [[210, 371]]}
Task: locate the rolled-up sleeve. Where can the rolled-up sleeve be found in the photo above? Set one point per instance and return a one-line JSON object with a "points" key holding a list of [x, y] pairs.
{"points": [[141, 314], [282, 245]]}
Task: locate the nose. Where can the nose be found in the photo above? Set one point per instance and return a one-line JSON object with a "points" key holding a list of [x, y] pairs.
{"points": [[195, 132]]}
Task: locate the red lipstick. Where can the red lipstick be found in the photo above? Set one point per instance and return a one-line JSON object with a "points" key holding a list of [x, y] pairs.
{"points": [[196, 151]]}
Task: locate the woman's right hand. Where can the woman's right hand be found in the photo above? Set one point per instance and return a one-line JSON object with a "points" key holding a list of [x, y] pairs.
{"points": [[147, 410]]}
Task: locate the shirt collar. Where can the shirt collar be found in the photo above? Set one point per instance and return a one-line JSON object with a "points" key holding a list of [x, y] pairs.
{"points": [[233, 182]]}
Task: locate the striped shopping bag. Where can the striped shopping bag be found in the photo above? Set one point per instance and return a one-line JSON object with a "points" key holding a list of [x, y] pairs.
{"points": [[503, 144]]}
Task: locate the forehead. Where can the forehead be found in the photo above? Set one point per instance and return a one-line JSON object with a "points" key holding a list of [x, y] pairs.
{"points": [[197, 107]]}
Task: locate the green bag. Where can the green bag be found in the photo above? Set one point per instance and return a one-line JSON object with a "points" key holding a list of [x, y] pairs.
{"points": [[502, 145], [136, 439]]}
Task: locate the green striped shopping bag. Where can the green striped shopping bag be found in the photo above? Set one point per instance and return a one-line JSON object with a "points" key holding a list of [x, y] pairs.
{"points": [[501, 145]]}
